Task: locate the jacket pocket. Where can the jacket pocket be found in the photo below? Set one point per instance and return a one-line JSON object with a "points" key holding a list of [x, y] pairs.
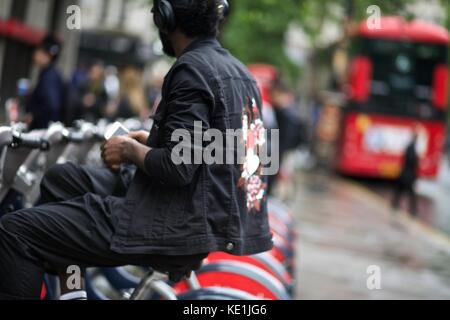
{"points": [[175, 220], [142, 218]]}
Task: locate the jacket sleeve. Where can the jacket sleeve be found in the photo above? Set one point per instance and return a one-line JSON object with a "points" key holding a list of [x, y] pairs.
{"points": [[188, 103]]}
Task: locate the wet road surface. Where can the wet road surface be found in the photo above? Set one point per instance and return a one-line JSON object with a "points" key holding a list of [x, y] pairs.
{"points": [[344, 228], [433, 198]]}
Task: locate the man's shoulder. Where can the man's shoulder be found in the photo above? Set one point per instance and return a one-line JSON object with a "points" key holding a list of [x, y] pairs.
{"points": [[213, 62], [196, 59]]}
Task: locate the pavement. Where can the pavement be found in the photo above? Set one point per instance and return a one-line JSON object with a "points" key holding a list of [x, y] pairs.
{"points": [[345, 228], [436, 204]]}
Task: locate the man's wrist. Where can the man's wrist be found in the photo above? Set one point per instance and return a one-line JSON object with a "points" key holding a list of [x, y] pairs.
{"points": [[136, 153], [130, 151]]}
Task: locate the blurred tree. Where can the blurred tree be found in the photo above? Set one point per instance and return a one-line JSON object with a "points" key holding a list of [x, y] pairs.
{"points": [[256, 30], [447, 10]]}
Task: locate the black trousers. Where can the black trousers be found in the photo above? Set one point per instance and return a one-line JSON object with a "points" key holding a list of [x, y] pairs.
{"points": [[405, 188], [73, 226]]}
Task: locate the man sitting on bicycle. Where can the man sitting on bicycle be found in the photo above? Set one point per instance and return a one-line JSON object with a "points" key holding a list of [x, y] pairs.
{"points": [[170, 216]]}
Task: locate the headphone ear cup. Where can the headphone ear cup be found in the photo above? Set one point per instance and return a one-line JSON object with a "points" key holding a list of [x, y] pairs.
{"points": [[168, 22], [157, 19], [226, 8]]}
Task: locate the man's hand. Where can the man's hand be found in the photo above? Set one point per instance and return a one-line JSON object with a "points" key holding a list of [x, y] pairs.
{"points": [[117, 151], [124, 149], [139, 136]]}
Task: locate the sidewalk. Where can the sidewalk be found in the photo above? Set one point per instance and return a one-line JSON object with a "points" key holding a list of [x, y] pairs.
{"points": [[345, 228]]}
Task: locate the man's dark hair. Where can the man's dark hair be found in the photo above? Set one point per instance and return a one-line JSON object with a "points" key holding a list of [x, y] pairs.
{"points": [[199, 18]]}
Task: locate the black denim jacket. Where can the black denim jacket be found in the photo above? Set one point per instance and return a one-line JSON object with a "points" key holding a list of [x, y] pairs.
{"points": [[194, 209]]}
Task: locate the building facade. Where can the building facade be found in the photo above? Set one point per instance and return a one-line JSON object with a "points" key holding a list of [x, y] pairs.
{"points": [[23, 23]]}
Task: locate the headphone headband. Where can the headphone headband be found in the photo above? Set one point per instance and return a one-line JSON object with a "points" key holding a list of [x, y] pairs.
{"points": [[164, 15]]}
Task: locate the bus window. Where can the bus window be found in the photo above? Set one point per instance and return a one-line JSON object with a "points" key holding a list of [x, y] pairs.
{"points": [[403, 77]]}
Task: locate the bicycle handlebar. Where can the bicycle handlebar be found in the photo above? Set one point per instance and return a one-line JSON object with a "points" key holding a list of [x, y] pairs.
{"points": [[75, 137], [21, 141]]}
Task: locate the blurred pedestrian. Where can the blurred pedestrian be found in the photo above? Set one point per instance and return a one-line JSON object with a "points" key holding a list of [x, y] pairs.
{"points": [[154, 82], [46, 101], [291, 128], [72, 108], [92, 95], [408, 177], [112, 83], [133, 100], [112, 87]]}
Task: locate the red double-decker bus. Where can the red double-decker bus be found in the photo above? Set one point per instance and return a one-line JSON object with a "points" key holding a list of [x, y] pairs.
{"points": [[398, 85]]}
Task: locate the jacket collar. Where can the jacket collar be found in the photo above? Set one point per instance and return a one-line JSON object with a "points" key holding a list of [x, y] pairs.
{"points": [[202, 42]]}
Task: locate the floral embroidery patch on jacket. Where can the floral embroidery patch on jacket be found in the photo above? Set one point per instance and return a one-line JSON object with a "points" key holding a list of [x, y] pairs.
{"points": [[254, 136]]}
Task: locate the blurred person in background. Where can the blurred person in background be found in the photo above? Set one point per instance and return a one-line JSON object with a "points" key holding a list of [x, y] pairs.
{"points": [[154, 82], [112, 88], [46, 101], [92, 97], [112, 82], [133, 101], [408, 177], [71, 110], [291, 128]]}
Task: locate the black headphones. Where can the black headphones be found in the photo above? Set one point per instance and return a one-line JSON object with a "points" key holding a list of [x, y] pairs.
{"points": [[164, 15]]}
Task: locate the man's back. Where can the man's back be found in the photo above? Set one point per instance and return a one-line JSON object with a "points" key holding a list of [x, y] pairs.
{"points": [[197, 207], [218, 67]]}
